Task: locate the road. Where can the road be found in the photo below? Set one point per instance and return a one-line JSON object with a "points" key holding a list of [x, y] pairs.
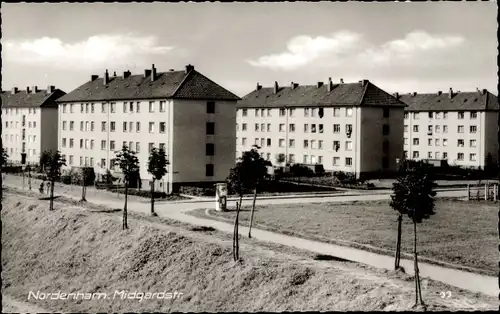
{"points": [[177, 210]]}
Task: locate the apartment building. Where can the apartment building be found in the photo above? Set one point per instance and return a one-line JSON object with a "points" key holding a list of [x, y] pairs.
{"points": [[351, 127], [183, 112], [460, 127], [29, 122]]}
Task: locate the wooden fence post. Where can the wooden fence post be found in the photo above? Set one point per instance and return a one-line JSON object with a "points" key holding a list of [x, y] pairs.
{"points": [[486, 191], [468, 192]]}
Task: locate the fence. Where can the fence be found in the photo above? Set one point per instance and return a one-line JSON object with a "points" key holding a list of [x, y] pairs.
{"points": [[487, 191]]}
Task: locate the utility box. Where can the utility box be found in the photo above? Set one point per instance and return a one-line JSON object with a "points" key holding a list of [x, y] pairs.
{"points": [[220, 196]]}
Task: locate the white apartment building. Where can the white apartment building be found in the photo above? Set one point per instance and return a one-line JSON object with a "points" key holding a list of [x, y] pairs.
{"points": [[29, 122], [459, 127], [185, 113], [351, 127]]}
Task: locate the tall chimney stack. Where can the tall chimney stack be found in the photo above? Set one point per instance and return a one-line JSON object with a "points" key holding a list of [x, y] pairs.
{"points": [[294, 85], [259, 86], [106, 77], [114, 74], [50, 89], [276, 87], [35, 89], [341, 81], [14, 90], [439, 93], [484, 91], [319, 84], [93, 77], [28, 90], [153, 72], [189, 68], [330, 84], [147, 72], [126, 74], [450, 93], [396, 95]]}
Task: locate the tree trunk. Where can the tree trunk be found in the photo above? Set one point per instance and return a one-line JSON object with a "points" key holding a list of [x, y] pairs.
{"points": [[251, 215], [125, 226], [398, 244], [236, 246], [153, 198], [418, 291], [51, 196], [83, 189]]}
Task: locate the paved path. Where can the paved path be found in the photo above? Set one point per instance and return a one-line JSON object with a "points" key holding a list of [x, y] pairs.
{"points": [[177, 210]]}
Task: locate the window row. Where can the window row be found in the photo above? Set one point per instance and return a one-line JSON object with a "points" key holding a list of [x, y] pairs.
{"points": [[12, 137], [443, 155], [8, 111], [437, 115], [438, 142], [308, 112], [437, 129], [12, 124]]}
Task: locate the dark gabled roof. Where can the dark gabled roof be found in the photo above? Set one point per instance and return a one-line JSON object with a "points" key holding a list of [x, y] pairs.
{"points": [[466, 101], [172, 84], [349, 94], [22, 99]]}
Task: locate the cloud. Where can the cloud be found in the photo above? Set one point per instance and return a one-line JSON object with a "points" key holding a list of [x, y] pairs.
{"points": [[417, 45], [93, 52], [304, 50]]}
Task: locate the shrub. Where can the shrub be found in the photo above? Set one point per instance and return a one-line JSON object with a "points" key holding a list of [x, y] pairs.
{"points": [[319, 169], [300, 170]]}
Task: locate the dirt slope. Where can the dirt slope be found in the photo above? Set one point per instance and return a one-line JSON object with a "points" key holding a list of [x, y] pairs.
{"points": [[73, 250]]}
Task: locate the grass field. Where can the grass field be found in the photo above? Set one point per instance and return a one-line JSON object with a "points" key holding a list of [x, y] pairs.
{"points": [[462, 233]]}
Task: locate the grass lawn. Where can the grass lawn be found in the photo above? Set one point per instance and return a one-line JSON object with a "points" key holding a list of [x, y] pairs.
{"points": [[462, 233]]}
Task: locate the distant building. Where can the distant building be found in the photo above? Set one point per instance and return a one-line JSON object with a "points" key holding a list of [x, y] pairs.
{"points": [[185, 113], [29, 122], [351, 127], [460, 127]]}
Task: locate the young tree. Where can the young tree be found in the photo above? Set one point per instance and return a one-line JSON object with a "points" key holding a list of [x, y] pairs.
{"points": [[414, 191], [5, 157], [280, 159], [398, 204], [52, 166], [157, 167], [129, 165], [236, 185]]}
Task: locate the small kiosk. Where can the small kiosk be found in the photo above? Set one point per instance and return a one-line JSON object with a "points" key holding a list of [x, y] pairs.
{"points": [[220, 196]]}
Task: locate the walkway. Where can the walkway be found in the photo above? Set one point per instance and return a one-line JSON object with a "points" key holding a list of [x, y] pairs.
{"points": [[177, 210]]}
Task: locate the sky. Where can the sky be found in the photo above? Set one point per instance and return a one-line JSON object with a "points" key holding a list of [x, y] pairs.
{"points": [[418, 47]]}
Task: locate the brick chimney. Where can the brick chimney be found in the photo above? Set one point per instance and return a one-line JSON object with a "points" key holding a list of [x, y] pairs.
{"points": [[50, 89], [330, 84], [440, 93], [414, 93], [147, 72], [14, 90], [450, 93], [153, 72], [114, 74], [126, 74], [28, 90], [93, 77], [396, 95], [294, 85], [341, 81], [35, 89], [276, 87], [319, 84], [189, 68], [258, 86], [363, 82], [106, 77], [484, 91]]}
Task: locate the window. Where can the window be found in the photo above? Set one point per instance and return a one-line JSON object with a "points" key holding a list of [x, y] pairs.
{"points": [[70, 159], [162, 146], [137, 147], [81, 143], [461, 115], [290, 112], [385, 147], [151, 106], [386, 112], [262, 112], [416, 154], [460, 129], [405, 141], [34, 124], [472, 143], [91, 144], [151, 127], [243, 141], [244, 127], [256, 127], [244, 112], [210, 128], [291, 143], [112, 107], [262, 140], [268, 142], [162, 106], [473, 129], [291, 127], [209, 170], [281, 142], [81, 108], [112, 145], [103, 126], [269, 127], [125, 105], [385, 129], [416, 141], [306, 112], [320, 128], [415, 128], [70, 143], [130, 126], [473, 115], [281, 127], [92, 126], [112, 126], [306, 144], [162, 127], [445, 142], [336, 128], [138, 107], [313, 128], [438, 128], [336, 112], [268, 112], [210, 107], [64, 142], [87, 146], [63, 125], [348, 161], [405, 128], [429, 128], [445, 155], [415, 115], [348, 112], [150, 147], [282, 112], [460, 143], [103, 144], [137, 126], [291, 158], [436, 142], [336, 161], [472, 157], [313, 114], [348, 145], [124, 126], [103, 163], [445, 115], [306, 159], [131, 107], [460, 156], [348, 129], [103, 108], [445, 129], [81, 125], [436, 155], [256, 112], [320, 159], [429, 155], [306, 128], [209, 149], [320, 144], [405, 115]]}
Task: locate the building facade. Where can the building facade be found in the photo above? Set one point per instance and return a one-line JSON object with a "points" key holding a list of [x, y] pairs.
{"points": [[183, 112], [459, 127], [29, 122], [351, 127]]}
